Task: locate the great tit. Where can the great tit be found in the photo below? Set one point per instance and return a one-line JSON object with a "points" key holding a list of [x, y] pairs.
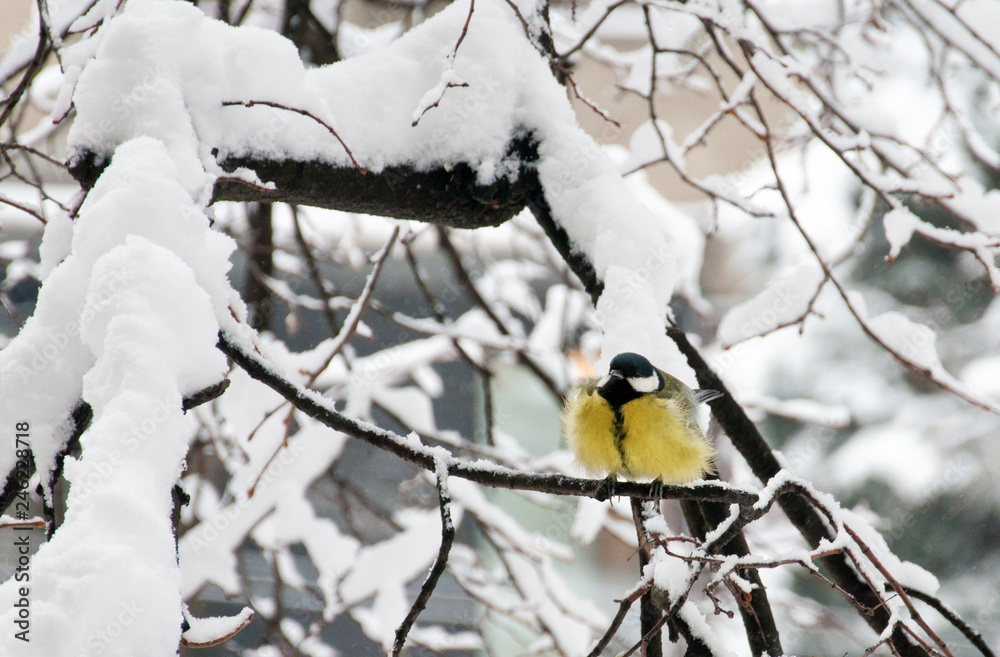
{"points": [[638, 422]]}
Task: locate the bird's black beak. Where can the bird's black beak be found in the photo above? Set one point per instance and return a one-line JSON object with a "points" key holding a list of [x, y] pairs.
{"points": [[612, 387], [612, 377]]}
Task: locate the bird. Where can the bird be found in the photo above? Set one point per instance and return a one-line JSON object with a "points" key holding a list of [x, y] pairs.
{"points": [[638, 423]]}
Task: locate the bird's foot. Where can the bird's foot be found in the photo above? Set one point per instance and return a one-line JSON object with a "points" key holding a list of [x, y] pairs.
{"points": [[657, 489], [606, 489]]}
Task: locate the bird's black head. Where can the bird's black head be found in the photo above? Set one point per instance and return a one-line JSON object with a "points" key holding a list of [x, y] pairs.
{"points": [[630, 376]]}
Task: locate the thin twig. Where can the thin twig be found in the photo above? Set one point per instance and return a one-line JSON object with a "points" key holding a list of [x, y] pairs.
{"points": [[974, 637], [593, 29], [314, 273], [354, 315], [900, 591], [623, 607], [447, 539], [24, 207], [450, 62], [41, 54], [267, 103]]}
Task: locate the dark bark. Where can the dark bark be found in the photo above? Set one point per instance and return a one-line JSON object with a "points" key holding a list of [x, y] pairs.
{"points": [[260, 266], [758, 621], [445, 195], [450, 196]]}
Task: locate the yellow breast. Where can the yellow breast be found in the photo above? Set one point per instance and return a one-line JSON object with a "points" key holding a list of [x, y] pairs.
{"points": [[658, 441]]}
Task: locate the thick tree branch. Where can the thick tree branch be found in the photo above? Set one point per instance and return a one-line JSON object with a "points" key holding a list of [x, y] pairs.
{"points": [[448, 194], [648, 613]]}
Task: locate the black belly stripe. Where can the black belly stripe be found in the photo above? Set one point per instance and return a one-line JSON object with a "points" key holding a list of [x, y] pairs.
{"points": [[619, 430]]}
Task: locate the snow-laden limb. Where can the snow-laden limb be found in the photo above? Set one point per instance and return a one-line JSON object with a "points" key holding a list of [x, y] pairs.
{"points": [[890, 577], [145, 282], [182, 80]]}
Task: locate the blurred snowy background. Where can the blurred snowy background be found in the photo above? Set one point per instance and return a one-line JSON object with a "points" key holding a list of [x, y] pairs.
{"points": [[851, 309]]}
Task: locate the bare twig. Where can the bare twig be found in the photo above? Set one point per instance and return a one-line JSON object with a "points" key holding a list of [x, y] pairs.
{"points": [[34, 66], [623, 607], [354, 315], [447, 538], [314, 273], [267, 103], [593, 29], [463, 276], [24, 207], [900, 591]]}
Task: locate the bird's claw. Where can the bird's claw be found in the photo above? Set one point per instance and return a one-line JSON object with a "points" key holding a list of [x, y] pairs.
{"points": [[657, 489], [606, 490]]}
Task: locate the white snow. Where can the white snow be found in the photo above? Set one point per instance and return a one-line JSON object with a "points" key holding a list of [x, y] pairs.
{"points": [[136, 290], [173, 87], [134, 299], [899, 225], [215, 628]]}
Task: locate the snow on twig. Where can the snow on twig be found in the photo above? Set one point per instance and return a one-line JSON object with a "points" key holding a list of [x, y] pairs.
{"points": [[411, 450], [449, 78]]}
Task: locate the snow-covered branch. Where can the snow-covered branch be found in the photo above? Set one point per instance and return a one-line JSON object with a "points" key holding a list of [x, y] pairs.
{"points": [[725, 187]]}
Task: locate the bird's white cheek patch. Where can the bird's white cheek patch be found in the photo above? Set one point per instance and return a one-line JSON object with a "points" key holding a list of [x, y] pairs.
{"points": [[645, 384]]}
